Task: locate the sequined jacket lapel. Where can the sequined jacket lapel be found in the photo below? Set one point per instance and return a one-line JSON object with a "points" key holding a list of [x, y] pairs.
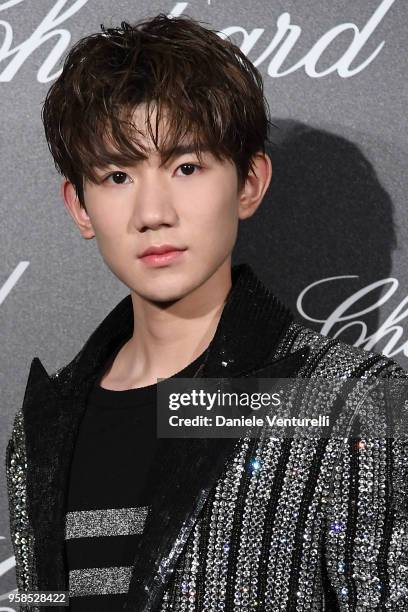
{"points": [[252, 324]]}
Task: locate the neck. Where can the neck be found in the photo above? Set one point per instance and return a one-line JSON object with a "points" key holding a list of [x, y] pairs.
{"points": [[167, 339]]}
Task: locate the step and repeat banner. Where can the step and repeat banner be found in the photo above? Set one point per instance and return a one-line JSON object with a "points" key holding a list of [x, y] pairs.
{"points": [[330, 238]]}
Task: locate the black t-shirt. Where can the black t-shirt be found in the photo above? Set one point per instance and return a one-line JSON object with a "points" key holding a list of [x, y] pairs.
{"points": [[108, 494]]}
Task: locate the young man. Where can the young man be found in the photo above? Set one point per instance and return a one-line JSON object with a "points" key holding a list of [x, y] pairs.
{"points": [[159, 130]]}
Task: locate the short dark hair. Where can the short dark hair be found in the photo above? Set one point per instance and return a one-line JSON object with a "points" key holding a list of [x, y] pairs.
{"points": [[204, 81]]}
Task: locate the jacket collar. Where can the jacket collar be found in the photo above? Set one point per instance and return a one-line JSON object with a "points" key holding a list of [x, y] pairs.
{"points": [[252, 323]]}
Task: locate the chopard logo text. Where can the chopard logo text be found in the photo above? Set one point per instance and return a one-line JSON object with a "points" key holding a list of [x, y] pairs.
{"points": [[275, 54], [392, 328]]}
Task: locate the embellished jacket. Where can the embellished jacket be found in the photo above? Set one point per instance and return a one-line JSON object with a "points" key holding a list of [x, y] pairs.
{"points": [[321, 525]]}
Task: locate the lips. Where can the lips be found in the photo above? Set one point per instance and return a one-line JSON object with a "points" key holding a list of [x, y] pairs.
{"points": [[159, 250], [162, 256]]}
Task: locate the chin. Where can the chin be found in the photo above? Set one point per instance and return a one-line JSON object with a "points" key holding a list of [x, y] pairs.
{"points": [[162, 291], [164, 298]]}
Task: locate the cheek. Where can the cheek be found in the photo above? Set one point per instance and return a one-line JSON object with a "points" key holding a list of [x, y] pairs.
{"points": [[221, 216], [107, 213], [108, 225], [215, 226], [110, 235]]}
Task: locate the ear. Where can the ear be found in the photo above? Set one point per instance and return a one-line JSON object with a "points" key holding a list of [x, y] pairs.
{"points": [[76, 210], [255, 186]]}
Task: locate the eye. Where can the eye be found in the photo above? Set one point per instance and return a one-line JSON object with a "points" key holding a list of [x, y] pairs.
{"points": [[190, 168], [120, 176]]}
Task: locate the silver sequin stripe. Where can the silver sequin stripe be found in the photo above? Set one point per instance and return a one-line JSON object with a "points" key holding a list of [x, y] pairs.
{"points": [[105, 522], [20, 528], [99, 581], [185, 596], [263, 468], [220, 537], [189, 564]]}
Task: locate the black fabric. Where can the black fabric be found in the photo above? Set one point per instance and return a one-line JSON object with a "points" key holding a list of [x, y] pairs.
{"points": [[116, 445]]}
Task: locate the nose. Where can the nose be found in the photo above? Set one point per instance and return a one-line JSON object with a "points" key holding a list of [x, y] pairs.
{"points": [[153, 206]]}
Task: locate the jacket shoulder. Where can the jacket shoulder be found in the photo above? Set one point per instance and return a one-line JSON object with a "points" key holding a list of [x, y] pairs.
{"points": [[333, 357]]}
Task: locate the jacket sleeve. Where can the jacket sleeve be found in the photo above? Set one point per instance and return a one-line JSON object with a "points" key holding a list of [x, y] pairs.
{"points": [[366, 535], [20, 529]]}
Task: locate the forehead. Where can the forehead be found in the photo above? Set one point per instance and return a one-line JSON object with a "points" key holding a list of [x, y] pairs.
{"points": [[142, 125], [144, 121], [143, 114]]}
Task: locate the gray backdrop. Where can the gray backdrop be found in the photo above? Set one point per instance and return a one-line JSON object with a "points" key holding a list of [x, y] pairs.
{"points": [[330, 237]]}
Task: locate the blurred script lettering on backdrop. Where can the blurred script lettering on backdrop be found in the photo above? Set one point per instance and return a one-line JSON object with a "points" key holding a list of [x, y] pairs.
{"points": [[283, 36]]}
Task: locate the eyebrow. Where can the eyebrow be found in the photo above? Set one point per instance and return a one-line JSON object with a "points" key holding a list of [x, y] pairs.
{"points": [[183, 149], [177, 151]]}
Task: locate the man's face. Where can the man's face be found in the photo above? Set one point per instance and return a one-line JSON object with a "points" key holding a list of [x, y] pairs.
{"points": [[192, 207]]}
